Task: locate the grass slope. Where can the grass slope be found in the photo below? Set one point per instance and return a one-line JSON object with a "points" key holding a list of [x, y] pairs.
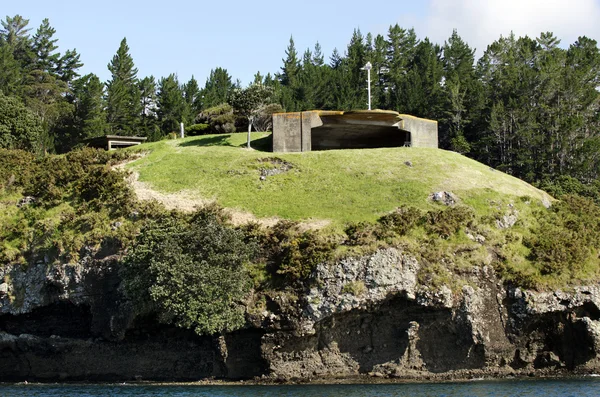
{"points": [[338, 185]]}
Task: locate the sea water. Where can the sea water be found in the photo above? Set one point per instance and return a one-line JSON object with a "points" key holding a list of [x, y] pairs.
{"points": [[516, 388]]}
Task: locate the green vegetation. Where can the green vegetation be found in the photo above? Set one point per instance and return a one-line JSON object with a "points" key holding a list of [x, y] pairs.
{"points": [[69, 205], [341, 186], [191, 269], [196, 270]]}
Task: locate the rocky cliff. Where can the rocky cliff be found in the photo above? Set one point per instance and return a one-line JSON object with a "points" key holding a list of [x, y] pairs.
{"points": [[363, 316]]}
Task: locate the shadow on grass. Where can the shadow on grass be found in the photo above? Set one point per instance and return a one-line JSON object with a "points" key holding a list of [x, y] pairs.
{"points": [[212, 140], [264, 144]]}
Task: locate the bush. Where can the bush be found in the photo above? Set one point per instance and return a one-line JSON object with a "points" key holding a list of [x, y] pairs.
{"points": [[289, 252], [220, 118], [445, 223], [20, 128], [190, 268], [77, 200], [198, 129], [567, 236], [401, 221], [361, 233], [263, 121]]}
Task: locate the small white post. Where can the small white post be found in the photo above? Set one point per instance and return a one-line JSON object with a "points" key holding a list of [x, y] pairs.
{"points": [[182, 130]]}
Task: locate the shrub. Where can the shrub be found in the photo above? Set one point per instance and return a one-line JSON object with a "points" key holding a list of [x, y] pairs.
{"points": [[289, 252], [445, 223], [360, 233], [220, 118], [198, 129], [20, 128], [263, 121], [401, 221], [567, 236], [191, 270], [77, 197], [356, 288]]}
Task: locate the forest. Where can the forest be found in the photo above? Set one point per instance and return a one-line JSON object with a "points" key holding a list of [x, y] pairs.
{"points": [[527, 106]]}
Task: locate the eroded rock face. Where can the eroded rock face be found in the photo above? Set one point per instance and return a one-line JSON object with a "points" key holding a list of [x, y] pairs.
{"points": [[358, 283], [363, 316]]}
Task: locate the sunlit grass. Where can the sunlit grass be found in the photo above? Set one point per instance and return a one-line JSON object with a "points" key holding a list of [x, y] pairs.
{"points": [[338, 185]]}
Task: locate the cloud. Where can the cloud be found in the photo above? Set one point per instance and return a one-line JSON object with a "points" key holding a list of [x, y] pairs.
{"points": [[480, 22]]}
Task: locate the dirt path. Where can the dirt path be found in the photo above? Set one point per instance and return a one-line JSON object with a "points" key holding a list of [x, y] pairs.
{"points": [[187, 201]]}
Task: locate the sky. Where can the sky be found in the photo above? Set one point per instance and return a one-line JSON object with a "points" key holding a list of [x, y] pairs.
{"points": [[192, 37]]}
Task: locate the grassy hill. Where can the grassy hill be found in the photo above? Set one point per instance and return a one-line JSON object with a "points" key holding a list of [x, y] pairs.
{"points": [[80, 203], [337, 185]]}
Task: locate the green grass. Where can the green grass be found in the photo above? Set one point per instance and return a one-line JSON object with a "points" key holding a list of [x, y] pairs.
{"points": [[336, 185]]}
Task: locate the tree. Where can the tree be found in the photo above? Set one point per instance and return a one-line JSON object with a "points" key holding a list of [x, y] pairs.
{"points": [[122, 93], [355, 61], [44, 47], [249, 101], [10, 71], [170, 104], [67, 66], [459, 74], [45, 93], [15, 34], [20, 128], [192, 101], [190, 269], [291, 66], [89, 109], [148, 122], [217, 88]]}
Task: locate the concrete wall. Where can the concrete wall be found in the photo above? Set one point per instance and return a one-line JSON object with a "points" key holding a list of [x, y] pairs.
{"points": [[292, 131], [287, 132], [424, 133], [304, 131]]}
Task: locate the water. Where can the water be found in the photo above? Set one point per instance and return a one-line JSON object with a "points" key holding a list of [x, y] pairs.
{"points": [[516, 388]]}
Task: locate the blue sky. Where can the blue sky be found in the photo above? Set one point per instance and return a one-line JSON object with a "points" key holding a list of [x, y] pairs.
{"points": [[193, 37]]}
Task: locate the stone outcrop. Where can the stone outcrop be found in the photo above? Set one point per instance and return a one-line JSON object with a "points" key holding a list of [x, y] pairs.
{"points": [[363, 316]]}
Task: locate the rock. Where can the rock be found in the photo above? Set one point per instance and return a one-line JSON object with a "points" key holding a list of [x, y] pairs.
{"points": [[27, 200], [3, 289], [385, 273], [508, 220], [446, 198], [546, 202]]}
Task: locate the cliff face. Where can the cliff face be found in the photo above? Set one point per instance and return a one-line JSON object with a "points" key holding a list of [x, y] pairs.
{"points": [[365, 315]]}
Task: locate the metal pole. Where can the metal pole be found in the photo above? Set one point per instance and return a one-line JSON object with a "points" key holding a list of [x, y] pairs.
{"points": [[182, 130], [369, 85]]}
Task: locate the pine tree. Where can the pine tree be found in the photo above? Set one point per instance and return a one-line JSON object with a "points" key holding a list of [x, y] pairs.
{"points": [[149, 118], [171, 104], [217, 88], [10, 71], [355, 61], [401, 48], [68, 65], [15, 34], [122, 94], [192, 101], [291, 66], [44, 48]]}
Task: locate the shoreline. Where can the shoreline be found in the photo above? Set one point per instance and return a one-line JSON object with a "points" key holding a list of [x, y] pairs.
{"points": [[363, 379]]}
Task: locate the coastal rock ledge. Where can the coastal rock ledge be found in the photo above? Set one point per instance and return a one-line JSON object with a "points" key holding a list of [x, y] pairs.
{"points": [[364, 316]]}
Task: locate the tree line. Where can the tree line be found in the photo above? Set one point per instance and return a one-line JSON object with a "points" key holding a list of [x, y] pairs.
{"points": [[527, 106]]}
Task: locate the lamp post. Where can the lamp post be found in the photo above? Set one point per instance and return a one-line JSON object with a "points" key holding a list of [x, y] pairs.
{"points": [[368, 68]]}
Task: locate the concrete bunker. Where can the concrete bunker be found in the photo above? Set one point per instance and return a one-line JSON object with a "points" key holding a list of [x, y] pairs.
{"points": [[326, 130]]}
